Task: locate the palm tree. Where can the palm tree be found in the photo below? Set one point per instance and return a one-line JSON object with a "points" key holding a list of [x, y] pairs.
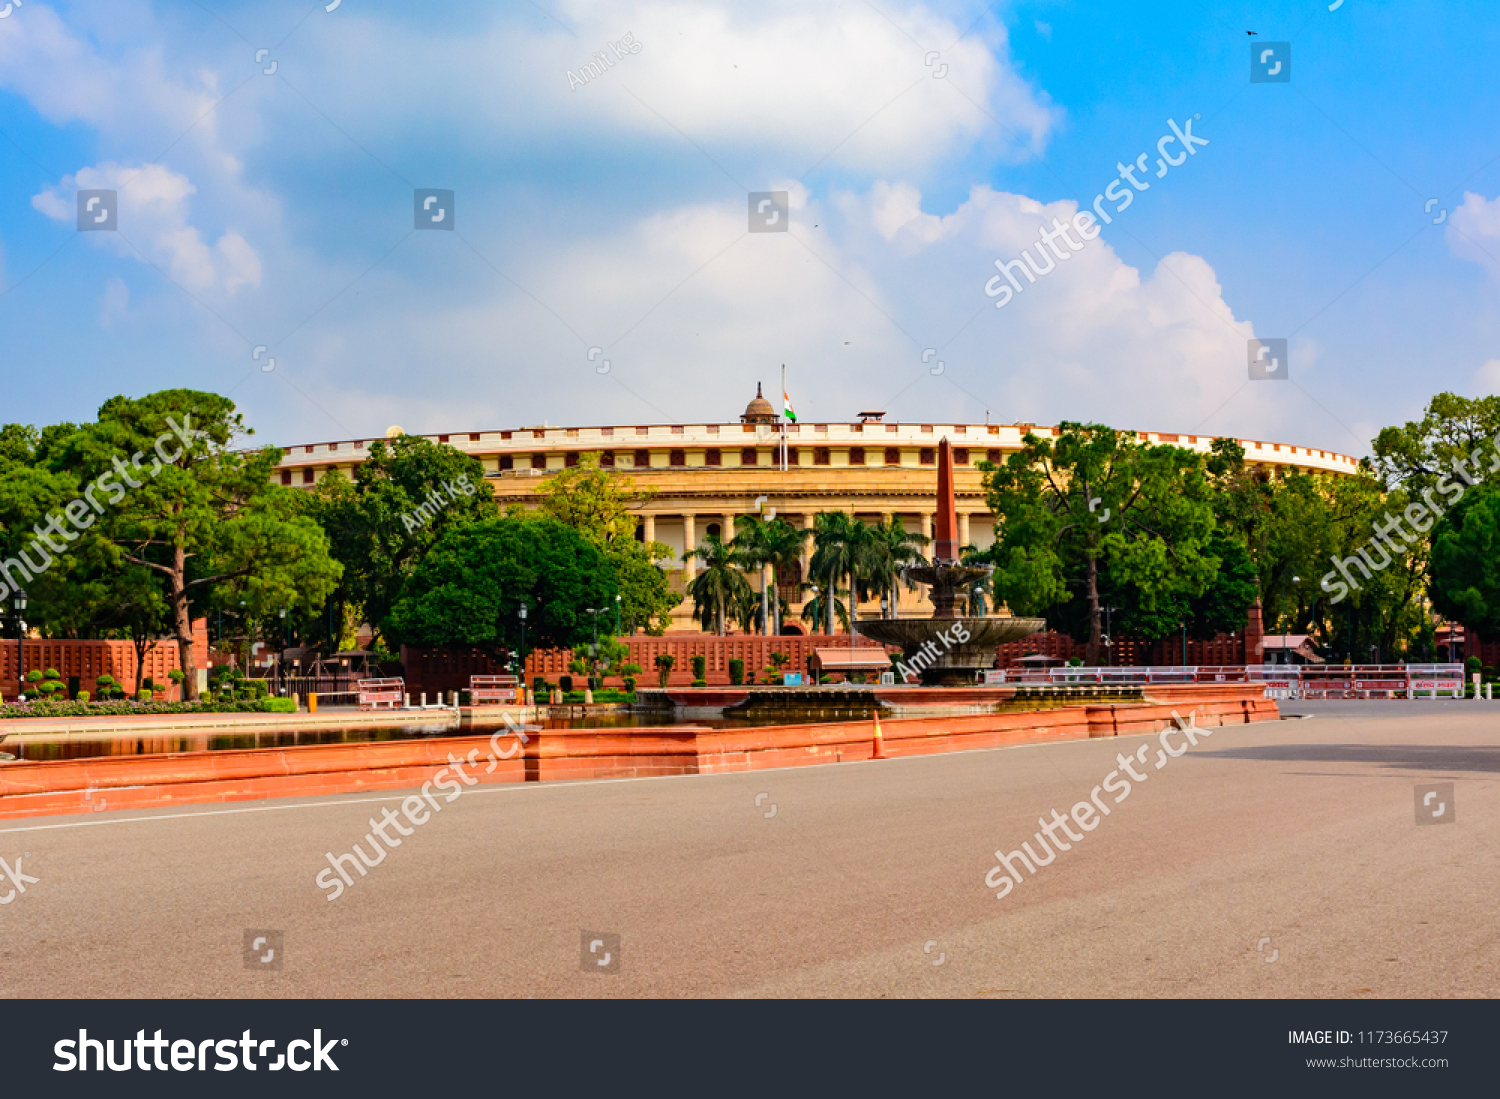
{"points": [[812, 610], [893, 548], [771, 547], [719, 585], [844, 547]]}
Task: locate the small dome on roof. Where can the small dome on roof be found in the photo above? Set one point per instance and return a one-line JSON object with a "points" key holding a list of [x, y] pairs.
{"points": [[760, 410]]}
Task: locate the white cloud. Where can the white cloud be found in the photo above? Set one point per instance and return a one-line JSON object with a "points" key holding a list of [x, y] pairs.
{"points": [[1473, 231], [1487, 379], [116, 303], [153, 217]]}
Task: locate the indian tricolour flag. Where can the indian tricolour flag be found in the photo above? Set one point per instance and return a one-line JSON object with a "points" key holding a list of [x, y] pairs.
{"points": [[786, 407]]}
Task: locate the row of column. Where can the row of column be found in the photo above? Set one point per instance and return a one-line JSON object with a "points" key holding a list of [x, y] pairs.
{"points": [[690, 533]]}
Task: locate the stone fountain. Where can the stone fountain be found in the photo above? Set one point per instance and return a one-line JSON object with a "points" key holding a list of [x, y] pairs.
{"points": [[934, 643]]}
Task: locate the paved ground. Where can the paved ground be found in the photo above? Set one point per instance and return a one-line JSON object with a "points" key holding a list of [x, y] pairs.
{"points": [[1298, 838]]}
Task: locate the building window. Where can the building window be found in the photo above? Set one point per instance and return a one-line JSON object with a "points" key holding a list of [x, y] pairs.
{"points": [[712, 429], [793, 456], [820, 456], [892, 456], [677, 458], [473, 437], [929, 456], [856, 455], [643, 431], [308, 476], [960, 455], [570, 459], [712, 457], [507, 461], [676, 429], [640, 532], [442, 438], [607, 460], [307, 450], [504, 435], [286, 476], [714, 530], [539, 433], [606, 431], [538, 461], [992, 456], [642, 459], [749, 456], [820, 429], [358, 443]]}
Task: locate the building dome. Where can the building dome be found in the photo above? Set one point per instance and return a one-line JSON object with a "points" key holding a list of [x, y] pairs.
{"points": [[759, 411]]}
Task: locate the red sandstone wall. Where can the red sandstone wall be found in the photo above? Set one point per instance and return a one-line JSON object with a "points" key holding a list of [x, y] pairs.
{"points": [[90, 659], [434, 670]]}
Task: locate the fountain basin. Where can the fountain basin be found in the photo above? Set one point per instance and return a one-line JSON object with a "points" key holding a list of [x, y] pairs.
{"points": [[954, 663]]}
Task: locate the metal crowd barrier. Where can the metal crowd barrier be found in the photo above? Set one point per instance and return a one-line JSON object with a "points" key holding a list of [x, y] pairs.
{"points": [[374, 693], [1281, 681]]}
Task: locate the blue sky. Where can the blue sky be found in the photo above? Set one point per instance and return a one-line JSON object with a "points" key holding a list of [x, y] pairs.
{"points": [[276, 210]]}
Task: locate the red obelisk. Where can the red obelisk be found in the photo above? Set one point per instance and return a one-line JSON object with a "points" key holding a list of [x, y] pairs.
{"points": [[945, 536]]}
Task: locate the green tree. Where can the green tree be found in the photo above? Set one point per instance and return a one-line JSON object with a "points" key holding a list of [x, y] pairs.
{"points": [[719, 587], [771, 547], [600, 505], [893, 548], [468, 588], [1091, 503], [1465, 569], [843, 546], [403, 499], [202, 515]]}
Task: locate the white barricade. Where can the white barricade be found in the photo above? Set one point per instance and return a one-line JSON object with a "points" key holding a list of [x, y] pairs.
{"points": [[374, 693]]}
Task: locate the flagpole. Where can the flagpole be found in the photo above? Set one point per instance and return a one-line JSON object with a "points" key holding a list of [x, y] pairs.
{"points": [[783, 418]]}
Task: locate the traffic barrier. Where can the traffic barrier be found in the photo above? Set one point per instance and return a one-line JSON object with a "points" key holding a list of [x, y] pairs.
{"points": [[374, 693], [495, 688], [1281, 681]]}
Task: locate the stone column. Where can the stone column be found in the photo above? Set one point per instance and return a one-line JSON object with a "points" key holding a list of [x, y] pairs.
{"points": [[728, 524], [689, 543], [927, 531], [963, 529], [649, 522]]}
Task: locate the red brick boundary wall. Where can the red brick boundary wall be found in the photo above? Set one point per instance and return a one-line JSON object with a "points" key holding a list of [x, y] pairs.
{"points": [[434, 670], [138, 782], [88, 660]]}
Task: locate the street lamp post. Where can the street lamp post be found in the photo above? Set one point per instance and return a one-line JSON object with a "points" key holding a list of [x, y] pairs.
{"points": [[18, 601], [595, 612], [617, 615], [1285, 658], [522, 613]]}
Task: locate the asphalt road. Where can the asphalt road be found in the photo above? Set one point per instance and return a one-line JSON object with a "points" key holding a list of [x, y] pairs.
{"points": [[1295, 841]]}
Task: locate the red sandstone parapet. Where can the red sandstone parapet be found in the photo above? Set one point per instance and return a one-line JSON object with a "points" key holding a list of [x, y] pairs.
{"points": [[134, 782]]}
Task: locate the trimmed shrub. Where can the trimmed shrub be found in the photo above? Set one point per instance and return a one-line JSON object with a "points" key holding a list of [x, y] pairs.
{"points": [[736, 671], [664, 664], [699, 663], [700, 683], [566, 683], [35, 676], [81, 696], [278, 705], [539, 684], [630, 684], [176, 675]]}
